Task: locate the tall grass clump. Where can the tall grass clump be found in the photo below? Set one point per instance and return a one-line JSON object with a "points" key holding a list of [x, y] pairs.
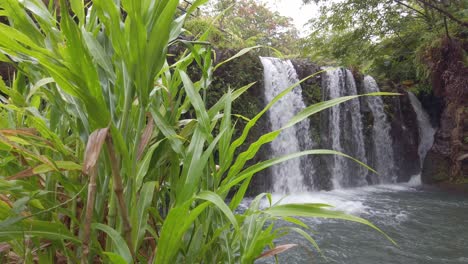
{"points": [[100, 161]]}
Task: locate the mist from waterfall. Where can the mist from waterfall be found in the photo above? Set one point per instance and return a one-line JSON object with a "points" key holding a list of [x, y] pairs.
{"points": [[288, 177]]}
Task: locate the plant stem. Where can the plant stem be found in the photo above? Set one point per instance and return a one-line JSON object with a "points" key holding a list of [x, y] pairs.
{"points": [[89, 215], [118, 189], [111, 216]]}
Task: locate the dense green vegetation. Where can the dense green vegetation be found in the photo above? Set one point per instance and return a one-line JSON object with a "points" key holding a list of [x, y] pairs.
{"points": [[245, 23], [393, 40], [110, 153], [389, 39]]}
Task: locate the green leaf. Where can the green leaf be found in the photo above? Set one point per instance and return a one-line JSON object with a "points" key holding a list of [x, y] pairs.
{"points": [[159, 37], [222, 101], [197, 103], [317, 210], [296, 222], [306, 236], [226, 125], [237, 55], [62, 165], [176, 27], [140, 213], [216, 200], [171, 234], [118, 241], [99, 54], [144, 165], [315, 108], [39, 84], [40, 229], [197, 164], [115, 258], [168, 132], [250, 171], [196, 5], [78, 8]]}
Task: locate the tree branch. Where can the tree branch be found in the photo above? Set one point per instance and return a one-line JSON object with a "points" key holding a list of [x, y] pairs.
{"points": [[412, 8], [444, 12]]}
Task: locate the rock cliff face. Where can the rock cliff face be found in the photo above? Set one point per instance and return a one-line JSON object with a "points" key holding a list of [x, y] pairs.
{"points": [[447, 161], [405, 135], [236, 74], [6, 71]]}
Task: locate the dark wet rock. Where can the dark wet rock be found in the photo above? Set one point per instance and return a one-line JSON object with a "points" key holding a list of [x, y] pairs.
{"points": [[6, 71], [233, 75], [447, 161], [405, 135], [436, 165]]}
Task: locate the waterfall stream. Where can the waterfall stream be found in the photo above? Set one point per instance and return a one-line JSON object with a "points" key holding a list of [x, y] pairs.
{"points": [[288, 177], [381, 140], [345, 130], [341, 128], [426, 131]]}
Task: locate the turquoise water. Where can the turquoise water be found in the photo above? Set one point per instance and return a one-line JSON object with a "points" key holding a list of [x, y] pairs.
{"points": [[428, 226]]}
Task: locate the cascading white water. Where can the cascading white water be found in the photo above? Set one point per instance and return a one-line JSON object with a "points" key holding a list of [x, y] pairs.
{"points": [[334, 80], [381, 140], [279, 75], [345, 130], [342, 131], [426, 131], [357, 141]]}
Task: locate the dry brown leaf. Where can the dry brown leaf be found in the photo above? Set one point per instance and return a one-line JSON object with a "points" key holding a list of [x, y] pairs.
{"points": [[6, 200], [40, 169], [277, 250], [26, 152], [29, 132], [93, 149], [19, 131], [146, 137], [22, 174], [4, 247]]}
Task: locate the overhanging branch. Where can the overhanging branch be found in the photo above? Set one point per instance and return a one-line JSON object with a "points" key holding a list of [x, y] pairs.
{"points": [[444, 12], [410, 7]]}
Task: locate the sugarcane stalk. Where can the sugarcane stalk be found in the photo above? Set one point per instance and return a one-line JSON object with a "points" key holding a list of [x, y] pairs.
{"points": [[118, 190]]}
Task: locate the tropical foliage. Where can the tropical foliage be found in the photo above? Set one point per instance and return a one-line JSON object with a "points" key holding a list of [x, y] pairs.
{"points": [[247, 23], [101, 160], [388, 39]]}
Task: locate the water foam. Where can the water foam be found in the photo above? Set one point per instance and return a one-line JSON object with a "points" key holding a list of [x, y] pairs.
{"points": [[352, 201]]}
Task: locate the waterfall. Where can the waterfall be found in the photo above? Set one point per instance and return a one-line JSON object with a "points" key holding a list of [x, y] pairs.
{"points": [[345, 130], [381, 140], [426, 131], [288, 177], [341, 129]]}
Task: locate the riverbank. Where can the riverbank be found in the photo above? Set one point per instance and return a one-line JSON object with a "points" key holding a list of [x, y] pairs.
{"points": [[459, 188], [453, 188]]}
